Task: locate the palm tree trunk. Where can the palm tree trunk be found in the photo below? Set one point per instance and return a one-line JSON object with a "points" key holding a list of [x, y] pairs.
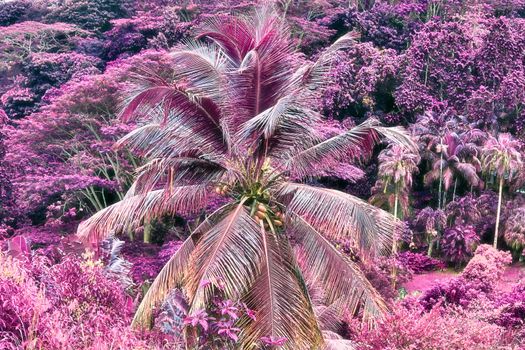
{"points": [[148, 228], [498, 213], [394, 242], [455, 186], [440, 173], [430, 247]]}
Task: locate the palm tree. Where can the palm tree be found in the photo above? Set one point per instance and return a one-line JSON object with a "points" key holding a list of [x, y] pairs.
{"points": [[457, 159], [433, 221], [502, 160], [234, 118], [396, 166], [429, 131]]}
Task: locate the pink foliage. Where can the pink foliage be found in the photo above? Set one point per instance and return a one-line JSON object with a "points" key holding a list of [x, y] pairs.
{"points": [[406, 329], [71, 305]]}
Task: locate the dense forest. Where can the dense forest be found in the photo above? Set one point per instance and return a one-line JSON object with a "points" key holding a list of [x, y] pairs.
{"points": [[279, 174]]}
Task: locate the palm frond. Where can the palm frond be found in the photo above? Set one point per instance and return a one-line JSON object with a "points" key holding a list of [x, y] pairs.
{"points": [[357, 142], [263, 70], [468, 172], [266, 122], [169, 278], [172, 274], [339, 215], [282, 127], [174, 172], [131, 212], [283, 309], [228, 255], [233, 35], [342, 279], [313, 75], [203, 66], [171, 138], [171, 98]]}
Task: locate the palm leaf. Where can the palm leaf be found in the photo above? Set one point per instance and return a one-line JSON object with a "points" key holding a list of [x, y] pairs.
{"points": [[233, 35], [333, 341], [283, 309], [313, 75], [228, 255], [263, 70], [468, 172], [169, 278], [342, 279], [174, 172], [203, 67], [357, 142], [340, 216], [176, 136], [172, 274], [131, 212], [282, 127]]}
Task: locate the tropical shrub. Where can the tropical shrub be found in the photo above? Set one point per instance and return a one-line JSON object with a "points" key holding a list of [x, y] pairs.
{"points": [[458, 243], [419, 263], [477, 279], [63, 153], [87, 14], [412, 328], [71, 305]]}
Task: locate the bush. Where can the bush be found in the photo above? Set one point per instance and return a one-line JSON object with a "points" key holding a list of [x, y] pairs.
{"points": [[476, 281], [418, 263], [75, 304], [459, 243], [438, 329]]}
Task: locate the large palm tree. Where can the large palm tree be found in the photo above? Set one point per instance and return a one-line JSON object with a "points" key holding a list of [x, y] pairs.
{"points": [[235, 118]]}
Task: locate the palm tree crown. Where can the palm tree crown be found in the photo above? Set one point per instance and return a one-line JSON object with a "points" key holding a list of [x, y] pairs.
{"points": [[502, 158], [234, 118], [396, 166], [460, 159]]}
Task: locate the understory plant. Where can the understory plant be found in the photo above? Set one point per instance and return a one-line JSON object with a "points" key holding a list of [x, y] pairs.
{"points": [[459, 243], [234, 118], [514, 233]]}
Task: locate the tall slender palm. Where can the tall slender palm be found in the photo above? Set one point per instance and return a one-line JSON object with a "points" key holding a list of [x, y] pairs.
{"points": [[235, 117], [457, 159], [502, 159], [429, 131], [396, 166]]}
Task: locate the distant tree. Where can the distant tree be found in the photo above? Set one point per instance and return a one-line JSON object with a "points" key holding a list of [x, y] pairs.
{"points": [[396, 166], [502, 160], [88, 14], [457, 159]]}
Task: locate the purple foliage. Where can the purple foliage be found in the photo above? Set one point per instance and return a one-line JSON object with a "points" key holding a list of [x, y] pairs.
{"points": [[511, 308], [441, 67], [51, 306], [477, 280], [419, 263], [458, 243]]}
